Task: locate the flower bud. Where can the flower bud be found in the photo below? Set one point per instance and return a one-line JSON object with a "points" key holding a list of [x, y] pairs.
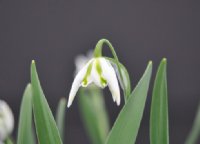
{"points": [[6, 121]]}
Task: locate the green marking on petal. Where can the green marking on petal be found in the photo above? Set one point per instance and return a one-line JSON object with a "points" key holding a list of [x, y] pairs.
{"points": [[103, 81], [85, 81], [98, 67], [88, 72]]}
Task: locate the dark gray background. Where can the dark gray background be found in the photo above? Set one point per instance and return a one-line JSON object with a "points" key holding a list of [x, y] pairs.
{"points": [[53, 32]]}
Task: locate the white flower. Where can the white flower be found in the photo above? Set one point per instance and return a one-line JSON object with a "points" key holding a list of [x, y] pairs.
{"points": [[100, 72], [6, 121]]}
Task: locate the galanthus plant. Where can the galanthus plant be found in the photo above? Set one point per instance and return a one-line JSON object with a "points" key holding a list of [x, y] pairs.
{"points": [[93, 73]]}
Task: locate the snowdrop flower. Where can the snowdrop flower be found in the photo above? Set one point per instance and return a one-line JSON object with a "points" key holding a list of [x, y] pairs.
{"points": [[6, 121], [99, 71]]}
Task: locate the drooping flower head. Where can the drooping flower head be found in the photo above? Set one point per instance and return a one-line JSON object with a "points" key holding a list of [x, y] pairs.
{"points": [[100, 72], [6, 120], [97, 70]]}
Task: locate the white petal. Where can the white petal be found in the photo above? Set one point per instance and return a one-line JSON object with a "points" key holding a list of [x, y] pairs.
{"points": [[119, 77], [96, 76], [77, 83], [6, 120], [109, 74]]}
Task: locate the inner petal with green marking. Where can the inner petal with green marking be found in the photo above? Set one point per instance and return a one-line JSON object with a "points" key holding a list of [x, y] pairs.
{"points": [[98, 67]]}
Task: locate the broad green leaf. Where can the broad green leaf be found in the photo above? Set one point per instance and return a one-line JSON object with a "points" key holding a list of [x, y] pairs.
{"points": [[46, 129], [25, 130], [94, 114], [126, 127], [195, 132], [159, 129], [60, 116]]}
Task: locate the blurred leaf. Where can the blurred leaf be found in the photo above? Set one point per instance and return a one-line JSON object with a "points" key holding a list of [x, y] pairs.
{"points": [[159, 129], [47, 131], [60, 116], [195, 132], [126, 127], [25, 130], [94, 114], [8, 141]]}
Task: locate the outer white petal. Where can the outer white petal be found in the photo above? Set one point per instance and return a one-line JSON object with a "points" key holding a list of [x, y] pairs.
{"points": [[6, 120], [77, 83], [119, 77], [109, 74]]}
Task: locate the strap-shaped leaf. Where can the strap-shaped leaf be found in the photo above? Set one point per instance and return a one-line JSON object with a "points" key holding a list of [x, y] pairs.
{"points": [[46, 129], [25, 131], [194, 134], [60, 116], [159, 129], [94, 114], [126, 127]]}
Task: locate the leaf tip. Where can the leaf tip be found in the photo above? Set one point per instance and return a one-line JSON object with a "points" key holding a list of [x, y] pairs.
{"points": [[29, 84], [28, 87], [164, 60], [63, 100], [33, 71], [33, 62], [150, 63]]}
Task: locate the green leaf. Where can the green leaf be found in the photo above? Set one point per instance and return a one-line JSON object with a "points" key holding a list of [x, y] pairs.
{"points": [[47, 131], [159, 129], [9, 141], [195, 131], [60, 116], [25, 130], [94, 114], [126, 127]]}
